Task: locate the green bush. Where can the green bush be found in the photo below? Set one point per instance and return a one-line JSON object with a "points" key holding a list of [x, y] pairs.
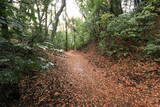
{"points": [[153, 48], [17, 59], [129, 28]]}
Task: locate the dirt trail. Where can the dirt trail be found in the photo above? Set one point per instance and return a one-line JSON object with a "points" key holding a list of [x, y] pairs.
{"points": [[83, 74], [111, 85], [90, 80], [89, 84]]}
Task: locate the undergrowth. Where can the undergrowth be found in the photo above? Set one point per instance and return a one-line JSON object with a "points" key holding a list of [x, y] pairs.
{"points": [[18, 59], [129, 33]]}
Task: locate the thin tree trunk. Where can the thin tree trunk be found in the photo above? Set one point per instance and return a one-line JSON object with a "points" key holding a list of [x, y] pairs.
{"points": [[74, 40], [46, 24], [4, 26], [40, 16], [116, 7], [55, 24], [136, 2], [66, 26]]}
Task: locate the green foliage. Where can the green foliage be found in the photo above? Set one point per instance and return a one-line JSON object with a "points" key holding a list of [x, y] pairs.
{"points": [[153, 50], [120, 35], [105, 18], [81, 34], [17, 59], [59, 40], [17, 52], [7, 76], [77, 36], [122, 26], [130, 25], [22, 34], [126, 29]]}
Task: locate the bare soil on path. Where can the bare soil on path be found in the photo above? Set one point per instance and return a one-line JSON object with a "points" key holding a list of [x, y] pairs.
{"points": [[87, 80]]}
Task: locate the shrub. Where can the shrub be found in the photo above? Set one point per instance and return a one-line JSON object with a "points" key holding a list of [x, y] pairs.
{"points": [[153, 48], [127, 32]]}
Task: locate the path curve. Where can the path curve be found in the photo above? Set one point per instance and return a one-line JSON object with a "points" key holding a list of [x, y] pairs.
{"points": [[88, 82]]}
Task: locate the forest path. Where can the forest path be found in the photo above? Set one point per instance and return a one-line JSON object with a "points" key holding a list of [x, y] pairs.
{"points": [[89, 80], [84, 75], [88, 83]]}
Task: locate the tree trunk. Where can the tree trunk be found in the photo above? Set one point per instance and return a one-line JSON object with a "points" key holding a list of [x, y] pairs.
{"points": [[4, 26], [56, 19], [136, 2], [75, 40], [116, 7], [66, 27], [46, 24]]}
